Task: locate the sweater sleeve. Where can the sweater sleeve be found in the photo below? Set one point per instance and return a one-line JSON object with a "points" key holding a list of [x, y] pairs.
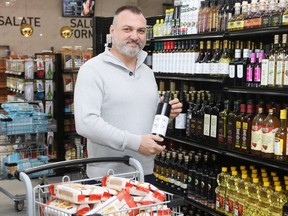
{"points": [[88, 97]]}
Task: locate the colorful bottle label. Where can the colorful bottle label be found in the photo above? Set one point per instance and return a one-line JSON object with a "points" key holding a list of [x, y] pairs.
{"points": [[220, 201], [244, 135], [229, 205], [249, 74], [230, 129], [239, 208], [256, 137], [238, 134], [206, 129], [256, 22], [222, 130], [257, 74]]}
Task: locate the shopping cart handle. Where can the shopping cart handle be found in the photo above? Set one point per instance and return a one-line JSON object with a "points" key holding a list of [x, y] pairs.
{"points": [[126, 159], [176, 201]]}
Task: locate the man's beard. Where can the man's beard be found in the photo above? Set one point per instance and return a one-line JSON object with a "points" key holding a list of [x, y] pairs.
{"points": [[128, 51]]}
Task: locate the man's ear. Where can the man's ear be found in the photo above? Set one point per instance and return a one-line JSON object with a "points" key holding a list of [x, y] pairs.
{"points": [[111, 29]]}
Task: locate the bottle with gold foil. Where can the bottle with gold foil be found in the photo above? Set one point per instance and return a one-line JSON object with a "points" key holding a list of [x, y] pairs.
{"points": [[240, 19], [246, 128], [239, 127], [270, 126], [281, 137]]}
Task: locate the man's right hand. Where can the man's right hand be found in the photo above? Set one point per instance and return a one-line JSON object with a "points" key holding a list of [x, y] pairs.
{"points": [[149, 145]]}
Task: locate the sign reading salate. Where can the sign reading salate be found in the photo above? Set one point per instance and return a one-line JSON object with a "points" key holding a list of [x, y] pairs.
{"points": [[18, 21]]}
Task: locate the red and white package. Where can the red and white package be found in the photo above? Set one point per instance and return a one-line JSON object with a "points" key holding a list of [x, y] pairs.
{"points": [[80, 194], [156, 210], [118, 183], [56, 207], [120, 204]]}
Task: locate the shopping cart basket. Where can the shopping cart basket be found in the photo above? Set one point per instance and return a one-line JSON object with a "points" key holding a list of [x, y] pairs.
{"points": [[36, 197]]}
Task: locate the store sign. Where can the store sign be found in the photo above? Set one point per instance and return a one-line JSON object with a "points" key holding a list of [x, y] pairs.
{"points": [[82, 28], [18, 21]]}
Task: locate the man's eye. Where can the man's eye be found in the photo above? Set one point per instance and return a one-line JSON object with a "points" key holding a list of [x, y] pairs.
{"points": [[142, 31], [126, 29]]}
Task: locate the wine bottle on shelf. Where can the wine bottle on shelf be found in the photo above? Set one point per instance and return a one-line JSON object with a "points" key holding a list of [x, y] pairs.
{"points": [[180, 120], [161, 119]]}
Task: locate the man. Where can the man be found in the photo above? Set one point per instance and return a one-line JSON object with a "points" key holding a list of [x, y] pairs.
{"points": [[116, 98]]}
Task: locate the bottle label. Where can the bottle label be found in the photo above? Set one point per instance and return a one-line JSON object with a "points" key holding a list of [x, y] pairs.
{"points": [[256, 137], [285, 20], [220, 201], [239, 208], [256, 22], [264, 74], [213, 130], [180, 121], [229, 206], [206, 129], [278, 146], [257, 74], [279, 73], [271, 73], [244, 135], [275, 20], [231, 71], [160, 125], [240, 71], [238, 134], [249, 72], [268, 139], [265, 21]]}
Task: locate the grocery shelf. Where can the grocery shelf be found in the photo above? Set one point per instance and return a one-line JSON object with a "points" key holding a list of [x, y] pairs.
{"points": [[261, 90], [282, 165], [209, 35], [190, 77]]}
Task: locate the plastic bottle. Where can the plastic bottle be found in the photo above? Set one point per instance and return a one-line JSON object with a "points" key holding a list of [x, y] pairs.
{"points": [[263, 195], [277, 200], [156, 28], [231, 193], [251, 204], [221, 189], [241, 189]]}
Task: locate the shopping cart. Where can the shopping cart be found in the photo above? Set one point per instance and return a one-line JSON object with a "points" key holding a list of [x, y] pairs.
{"points": [[37, 197]]}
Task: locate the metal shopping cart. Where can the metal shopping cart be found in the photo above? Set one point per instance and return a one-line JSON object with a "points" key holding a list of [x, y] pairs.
{"points": [[38, 196]]}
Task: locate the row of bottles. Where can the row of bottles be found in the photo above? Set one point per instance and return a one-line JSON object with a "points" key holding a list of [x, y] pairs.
{"points": [[191, 17], [250, 192], [246, 63], [190, 173], [259, 129]]}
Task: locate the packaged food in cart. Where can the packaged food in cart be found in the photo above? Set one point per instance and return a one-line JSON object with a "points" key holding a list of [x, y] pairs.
{"points": [[80, 193]]}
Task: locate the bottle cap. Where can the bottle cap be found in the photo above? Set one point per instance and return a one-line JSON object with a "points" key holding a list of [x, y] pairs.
{"points": [[283, 114], [255, 180]]}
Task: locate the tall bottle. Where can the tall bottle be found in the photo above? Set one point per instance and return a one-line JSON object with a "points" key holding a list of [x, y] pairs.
{"points": [[180, 120], [241, 188], [281, 137], [214, 120], [221, 189], [272, 62], [250, 70], [231, 125], [222, 125], [225, 59], [232, 181], [251, 204], [161, 119], [280, 62], [239, 126], [246, 128], [263, 195], [256, 132], [270, 125]]}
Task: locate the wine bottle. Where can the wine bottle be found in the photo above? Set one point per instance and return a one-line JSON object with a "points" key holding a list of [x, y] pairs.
{"points": [[161, 119]]}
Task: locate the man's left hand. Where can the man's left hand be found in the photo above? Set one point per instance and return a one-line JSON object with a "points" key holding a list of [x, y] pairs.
{"points": [[176, 108]]}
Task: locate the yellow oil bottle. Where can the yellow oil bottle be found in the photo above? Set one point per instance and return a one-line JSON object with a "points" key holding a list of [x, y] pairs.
{"points": [[241, 195], [231, 193], [221, 189], [277, 201], [264, 194], [251, 204]]}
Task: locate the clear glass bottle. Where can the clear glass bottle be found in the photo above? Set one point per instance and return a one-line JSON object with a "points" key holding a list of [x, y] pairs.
{"points": [[281, 137], [256, 132]]}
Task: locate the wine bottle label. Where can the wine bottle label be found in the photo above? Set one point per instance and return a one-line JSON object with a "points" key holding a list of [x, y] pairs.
{"points": [[256, 137], [271, 73], [231, 71], [180, 121], [206, 129], [213, 132], [278, 146], [160, 125], [240, 71], [257, 74], [279, 70], [264, 74], [268, 139]]}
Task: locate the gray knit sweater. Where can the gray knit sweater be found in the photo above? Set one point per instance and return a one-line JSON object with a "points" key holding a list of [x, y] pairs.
{"points": [[113, 109]]}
